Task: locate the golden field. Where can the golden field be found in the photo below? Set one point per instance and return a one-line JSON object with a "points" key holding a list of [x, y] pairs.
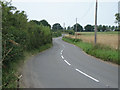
{"points": [[106, 39]]}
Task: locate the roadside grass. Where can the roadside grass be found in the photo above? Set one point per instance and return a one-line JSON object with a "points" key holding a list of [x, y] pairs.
{"points": [[11, 73], [103, 52]]}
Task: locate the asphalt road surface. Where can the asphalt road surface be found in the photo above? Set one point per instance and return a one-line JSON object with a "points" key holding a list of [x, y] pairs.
{"points": [[67, 66]]}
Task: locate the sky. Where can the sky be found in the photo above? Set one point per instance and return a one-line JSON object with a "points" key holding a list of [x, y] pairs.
{"points": [[66, 11]]}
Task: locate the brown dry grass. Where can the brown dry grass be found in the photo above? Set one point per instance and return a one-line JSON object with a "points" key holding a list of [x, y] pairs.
{"points": [[110, 40]]}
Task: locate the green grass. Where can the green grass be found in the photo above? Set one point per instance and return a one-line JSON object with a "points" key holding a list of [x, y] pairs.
{"points": [[10, 73], [102, 52]]}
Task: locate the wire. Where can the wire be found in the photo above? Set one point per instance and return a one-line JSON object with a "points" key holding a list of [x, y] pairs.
{"points": [[86, 13]]}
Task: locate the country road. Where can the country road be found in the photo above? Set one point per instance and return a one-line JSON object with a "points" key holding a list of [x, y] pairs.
{"points": [[67, 66]]}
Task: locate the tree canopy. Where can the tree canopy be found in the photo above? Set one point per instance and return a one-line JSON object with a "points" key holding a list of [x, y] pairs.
{"points": [[19, 35], [117, 15], [89, 28], [56, 27], [79, 28], [43, 22]]}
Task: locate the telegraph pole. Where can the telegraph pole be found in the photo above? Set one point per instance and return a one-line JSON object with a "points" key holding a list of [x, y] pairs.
{"points": [[63, 26], [57, 27], [96, 22], [76, 30]]}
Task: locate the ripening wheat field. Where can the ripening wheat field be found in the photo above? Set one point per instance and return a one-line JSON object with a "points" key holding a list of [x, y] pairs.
{"points": [[106, 39]]}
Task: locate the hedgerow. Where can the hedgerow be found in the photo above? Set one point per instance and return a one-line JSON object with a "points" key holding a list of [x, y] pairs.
{"points": [[19, 35]]}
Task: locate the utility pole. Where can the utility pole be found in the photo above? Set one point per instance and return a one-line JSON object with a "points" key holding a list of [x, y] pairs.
{"points": [[96, 22], [76, 30], [63, 26], [57, 27]]}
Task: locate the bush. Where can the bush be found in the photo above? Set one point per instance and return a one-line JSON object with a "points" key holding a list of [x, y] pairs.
{"points": [[19, 36], [56, 34], [71, 32]]}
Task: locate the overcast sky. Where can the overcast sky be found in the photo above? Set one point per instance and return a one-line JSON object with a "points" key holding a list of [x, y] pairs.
{"points": [[66, 11]]}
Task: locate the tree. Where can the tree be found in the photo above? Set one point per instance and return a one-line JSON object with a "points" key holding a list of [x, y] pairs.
{"points": [[113, 28], [117, 15], [18, 36], [57, 27], [103, 28], [89, 28], [116, 28], [99, 28], [68, 28], [79, 28], [35, 21], [45, 23]]}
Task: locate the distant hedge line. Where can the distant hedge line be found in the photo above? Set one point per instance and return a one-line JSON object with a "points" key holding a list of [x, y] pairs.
{"points": [[19, 34], [56, 34]]}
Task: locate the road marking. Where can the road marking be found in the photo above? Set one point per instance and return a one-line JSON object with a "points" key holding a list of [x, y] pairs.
{"points": [[62, 57], [67, 62], [61, 51], [87, 75]]}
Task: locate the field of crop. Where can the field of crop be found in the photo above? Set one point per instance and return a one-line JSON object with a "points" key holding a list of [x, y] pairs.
{"points": [[109, 39]]}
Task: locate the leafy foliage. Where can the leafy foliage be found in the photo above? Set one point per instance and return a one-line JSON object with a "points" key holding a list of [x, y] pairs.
{"points": [[79, 28], [43, 22], [117, 15], [57, 27], [56, 34], [18, 36], [89, 28], [72, 32]]}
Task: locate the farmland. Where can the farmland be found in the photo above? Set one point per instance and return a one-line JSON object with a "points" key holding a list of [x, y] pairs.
{"points": [[109, 39]]}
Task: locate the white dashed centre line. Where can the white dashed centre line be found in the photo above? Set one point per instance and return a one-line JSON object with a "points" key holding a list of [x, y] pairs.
{"points": [[87, 75], [78, 69], [62, 57], [67, 62], [61, 51]]}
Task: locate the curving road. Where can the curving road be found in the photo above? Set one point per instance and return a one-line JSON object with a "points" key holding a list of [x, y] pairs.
{"points": [[67, 66]]}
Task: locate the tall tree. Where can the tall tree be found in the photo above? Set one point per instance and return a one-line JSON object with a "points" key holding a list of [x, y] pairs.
{"points": [[56, 27], [104, 28], [89, 28], [45, 23], [99, 28], [117, 15], [79, 28], [68, 28]]}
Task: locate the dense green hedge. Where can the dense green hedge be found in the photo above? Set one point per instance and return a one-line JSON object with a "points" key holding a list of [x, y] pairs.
{"points": [[19, 35], [72, 32], [56, 34]]}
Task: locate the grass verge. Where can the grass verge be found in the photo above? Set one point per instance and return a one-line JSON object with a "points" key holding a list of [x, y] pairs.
{"points": [[10, 74], [102, 52]]}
